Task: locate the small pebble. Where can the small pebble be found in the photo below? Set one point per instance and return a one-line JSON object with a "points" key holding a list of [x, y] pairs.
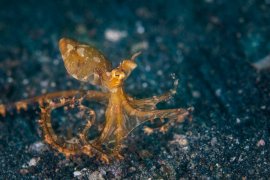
{"points": [[139, 28], [218, 92], [144, 85], [213, 141], [261, 142], [96, 175], [179, 139], [38, 147], [33, 161], [131, 169], [77, 173], [25, 81], [196, 94]]}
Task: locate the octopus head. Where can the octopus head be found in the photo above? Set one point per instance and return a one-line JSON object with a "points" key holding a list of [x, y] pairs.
{"points": [[117, 76]]}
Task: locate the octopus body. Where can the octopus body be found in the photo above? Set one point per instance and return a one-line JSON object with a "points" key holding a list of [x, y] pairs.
{"points": [[123, 113]]}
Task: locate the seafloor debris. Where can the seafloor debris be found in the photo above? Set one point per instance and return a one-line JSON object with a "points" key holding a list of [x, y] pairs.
{"points": [[262, 64]]}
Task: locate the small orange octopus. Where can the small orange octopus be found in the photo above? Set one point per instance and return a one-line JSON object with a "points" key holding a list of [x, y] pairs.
{"points": [[123, 113]]}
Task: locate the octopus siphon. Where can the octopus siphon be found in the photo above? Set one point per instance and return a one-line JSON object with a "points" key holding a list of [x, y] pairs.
{"points": [[123, 112]]}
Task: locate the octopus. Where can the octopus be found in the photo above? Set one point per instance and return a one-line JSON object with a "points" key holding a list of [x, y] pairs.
{"points": [[122, 115]]}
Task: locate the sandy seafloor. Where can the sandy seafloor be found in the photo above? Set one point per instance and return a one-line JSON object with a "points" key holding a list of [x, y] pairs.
{"points": [[210, 45]]}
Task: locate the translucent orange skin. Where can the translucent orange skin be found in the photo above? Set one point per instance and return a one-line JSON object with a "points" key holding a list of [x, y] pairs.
{"points": [[123, 113]]}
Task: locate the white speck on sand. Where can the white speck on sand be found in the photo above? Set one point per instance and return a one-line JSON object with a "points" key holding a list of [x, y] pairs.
{"points": [[179, 140], [218, 92], [38, 147], [115, 35], [144, 85], [139, 28], [261, 142], [196, 94], [33, 161], [262, 64], [96, 175], [77, 173]]}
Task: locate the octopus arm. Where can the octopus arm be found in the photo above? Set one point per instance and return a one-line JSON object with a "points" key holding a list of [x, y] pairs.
{"points": [[150, 103], [74, 145], [90, 95], [137, 116]]}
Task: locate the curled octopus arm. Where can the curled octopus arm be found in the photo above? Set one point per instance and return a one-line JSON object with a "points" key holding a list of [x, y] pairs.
{"points": [[76, 145], [79, 144]]}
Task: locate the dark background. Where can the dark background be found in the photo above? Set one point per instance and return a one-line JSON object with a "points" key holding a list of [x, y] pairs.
{"points": [[210, 45]]}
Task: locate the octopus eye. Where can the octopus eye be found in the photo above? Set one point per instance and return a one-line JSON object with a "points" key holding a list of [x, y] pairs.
{"points": [[118, 74]]}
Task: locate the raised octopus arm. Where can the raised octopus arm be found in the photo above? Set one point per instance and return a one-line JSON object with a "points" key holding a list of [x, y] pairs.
{"points": [[150, 103]]}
